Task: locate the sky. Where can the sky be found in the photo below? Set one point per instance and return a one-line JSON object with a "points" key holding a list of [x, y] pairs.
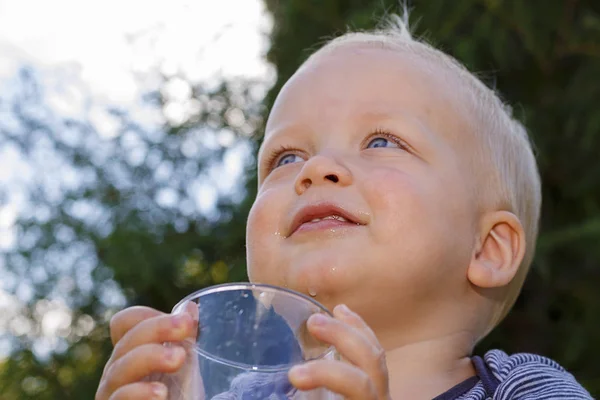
{"points": [[110, 52], [108, 43]]}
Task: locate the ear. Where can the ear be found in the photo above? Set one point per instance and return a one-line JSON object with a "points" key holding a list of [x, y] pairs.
{"points": [[501, 249]]}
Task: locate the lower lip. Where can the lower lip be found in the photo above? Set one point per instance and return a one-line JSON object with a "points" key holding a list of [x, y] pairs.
{"points": [[324, 224]]}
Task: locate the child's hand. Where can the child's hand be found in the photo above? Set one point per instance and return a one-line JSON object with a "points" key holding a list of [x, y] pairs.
{"points": [[365, 374], [138, 334]]}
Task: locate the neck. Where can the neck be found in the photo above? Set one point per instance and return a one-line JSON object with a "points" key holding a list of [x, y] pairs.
{"points": [[427, 368]]}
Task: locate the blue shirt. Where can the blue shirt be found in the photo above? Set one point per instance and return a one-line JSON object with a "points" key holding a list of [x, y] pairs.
{"points": [[518, 377]]}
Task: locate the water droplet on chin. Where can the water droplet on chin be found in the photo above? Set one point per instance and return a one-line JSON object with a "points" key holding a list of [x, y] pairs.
{"points": [[312, 292]]}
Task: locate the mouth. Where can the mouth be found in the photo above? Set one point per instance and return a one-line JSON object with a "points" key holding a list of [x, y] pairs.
{"points": [[323, 216]]}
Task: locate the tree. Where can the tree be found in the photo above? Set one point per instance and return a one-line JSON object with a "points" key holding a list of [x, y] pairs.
{"points": [[113, 221]]}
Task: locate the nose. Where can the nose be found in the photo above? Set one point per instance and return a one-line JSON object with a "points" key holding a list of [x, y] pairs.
{"points": [[322, 170]]}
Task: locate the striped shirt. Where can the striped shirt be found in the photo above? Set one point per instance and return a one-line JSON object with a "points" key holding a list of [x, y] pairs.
{"points": [[517, 377], [499, 377]]}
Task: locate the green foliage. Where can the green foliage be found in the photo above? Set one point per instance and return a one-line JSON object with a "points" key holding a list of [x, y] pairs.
{"points": [[543, 57], [83, 243]]}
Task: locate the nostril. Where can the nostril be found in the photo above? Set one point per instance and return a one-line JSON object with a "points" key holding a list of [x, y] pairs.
{"points": [[332, 178]]}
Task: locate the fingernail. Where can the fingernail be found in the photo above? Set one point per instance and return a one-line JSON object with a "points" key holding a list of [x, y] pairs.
{"points": [[318, 319], [174, 354], [299, 373], [159, 391], [179, 320], [342, 308]]}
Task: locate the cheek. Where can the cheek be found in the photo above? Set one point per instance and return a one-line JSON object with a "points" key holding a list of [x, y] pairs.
{"points": [[419, 214], [396, 198], [262, 234]]}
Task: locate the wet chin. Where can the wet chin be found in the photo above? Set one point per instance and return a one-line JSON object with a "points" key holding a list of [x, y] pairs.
{"points": [[325, 268], [321, 274]]}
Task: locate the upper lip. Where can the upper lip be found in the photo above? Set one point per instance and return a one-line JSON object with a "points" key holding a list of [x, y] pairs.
{"points": [[322, 210]]}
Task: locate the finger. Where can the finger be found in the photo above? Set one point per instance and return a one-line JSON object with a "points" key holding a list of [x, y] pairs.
{"points": [[338, 377], [126, 319], [354, 346], [141, 391], [350, 342], [193, 310], [343, 313], [190, 376], [141, 362], [123, 321], [164, 328]]}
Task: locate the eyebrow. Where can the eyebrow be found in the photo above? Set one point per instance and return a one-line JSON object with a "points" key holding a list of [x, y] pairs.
{"points": [[275, 136], [397, 115], [404, 117], [282, 131]]}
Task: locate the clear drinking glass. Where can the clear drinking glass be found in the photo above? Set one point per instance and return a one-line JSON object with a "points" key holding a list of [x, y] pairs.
{"points": [[248, 337]]}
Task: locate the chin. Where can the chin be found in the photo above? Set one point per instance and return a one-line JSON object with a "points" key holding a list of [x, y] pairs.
{"points": [[323, 279], [323, 274]]}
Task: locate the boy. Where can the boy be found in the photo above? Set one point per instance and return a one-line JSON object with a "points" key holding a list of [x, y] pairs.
{"points": [[398, 190]]}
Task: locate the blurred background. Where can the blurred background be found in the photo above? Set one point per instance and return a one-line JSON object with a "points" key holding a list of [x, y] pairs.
{"points": [[128, 131]]}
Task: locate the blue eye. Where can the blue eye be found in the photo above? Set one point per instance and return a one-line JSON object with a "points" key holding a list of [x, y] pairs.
{"points": [[288, 159], [380, 142]]}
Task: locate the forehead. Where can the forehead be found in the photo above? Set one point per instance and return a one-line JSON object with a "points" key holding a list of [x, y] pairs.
{"points": [[354, 89], [359, 78]]}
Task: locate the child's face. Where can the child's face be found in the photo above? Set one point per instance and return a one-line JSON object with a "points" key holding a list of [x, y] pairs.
{"points": [[370, 134]]}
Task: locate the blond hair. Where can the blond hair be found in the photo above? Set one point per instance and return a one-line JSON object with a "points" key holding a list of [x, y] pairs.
{"points": [[506, 174]]}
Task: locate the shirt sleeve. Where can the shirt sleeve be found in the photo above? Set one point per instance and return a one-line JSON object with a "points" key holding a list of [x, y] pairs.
{"points": [[532, 377]]}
